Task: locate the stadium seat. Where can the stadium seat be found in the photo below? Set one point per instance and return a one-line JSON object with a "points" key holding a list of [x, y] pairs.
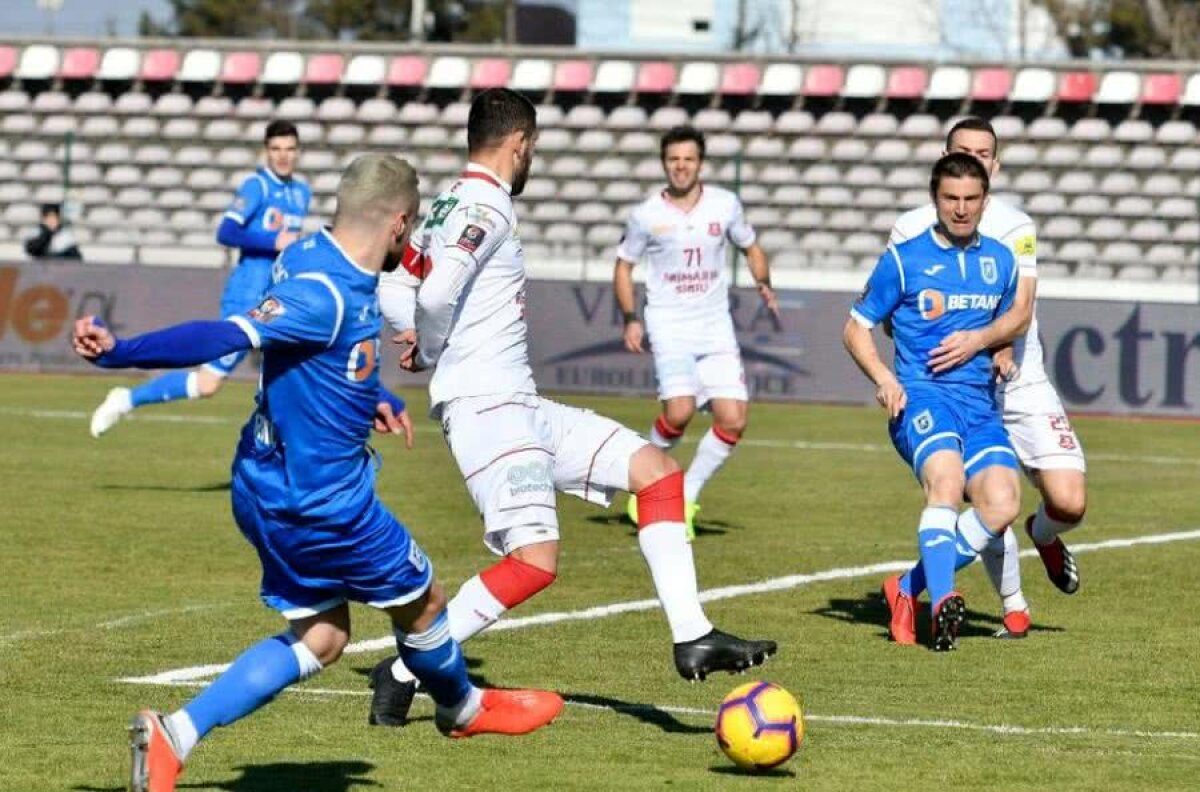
{"points": [[891, 151], [699, 78], [1077, 182], [739, 79], [1161, 89], [665, 118], [373, 70], [823, 81], [863, 81], [1149, 231], [593, 141], [79, 63], [159, 65], [241, 68], [1162, 184], [448, 72], [614, 77], [573, 76], [1133, 130], [8, 61], [794, 122], [782, 80], [1146, 158], [1176, 208], [99, 127], [711, 120], [1076, 86], [200, 66], [51, 102], [948, 84], [38, 62], [1034, 85], [490, 73], [532, 75], [139, 127], [120, 64], [1046, 203], [336, 108], [906, 82], [295, 108], [14, 101], [254, 108], [89, 103], [655, 78], [1091, 129], [1118, 183], [994, 84], [1186, 160], [322, 69], [405, 71], [1050, 128], [1118, 87], [752, 122], [1176, 133], [172, 105]]}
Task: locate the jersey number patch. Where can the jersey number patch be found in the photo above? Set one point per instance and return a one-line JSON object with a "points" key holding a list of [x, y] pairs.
{"points": [[440, 210]]}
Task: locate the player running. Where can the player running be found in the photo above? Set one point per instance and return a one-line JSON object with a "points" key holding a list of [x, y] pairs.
{"points": [[265, 217], [944, 421], [303, 481], [1034, 417], [682, 231], [514, 447]]}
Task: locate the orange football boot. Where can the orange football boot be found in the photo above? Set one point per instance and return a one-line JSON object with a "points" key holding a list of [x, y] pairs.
{"points": [[1016, 625], [156, 765], [510, 712], [903, 626]]}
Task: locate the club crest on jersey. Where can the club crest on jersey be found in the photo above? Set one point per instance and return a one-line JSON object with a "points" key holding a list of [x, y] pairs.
{"points": [[267, 311], [471, 238], [923, 423], [987, 269], [714, 229]]}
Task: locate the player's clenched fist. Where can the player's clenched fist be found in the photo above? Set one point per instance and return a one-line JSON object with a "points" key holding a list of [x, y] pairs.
{"points": [[91, 338], [891, 397], [634, 332]]}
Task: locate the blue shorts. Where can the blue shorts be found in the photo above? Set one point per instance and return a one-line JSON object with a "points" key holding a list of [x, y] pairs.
{"points": [[957, 418], [309, 570], [245, 288]]}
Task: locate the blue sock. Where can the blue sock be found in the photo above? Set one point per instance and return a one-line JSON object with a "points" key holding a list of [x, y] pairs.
{"points": [[168, 387], [254, 679], [937, 543], [913, 581], [436, 660]]}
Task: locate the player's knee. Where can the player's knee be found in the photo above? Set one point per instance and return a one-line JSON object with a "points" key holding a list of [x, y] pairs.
{"points": [[999, 505], [678, 416], [648, 466], [327, 642], [945, 489], [732, 425], [1067, 504]]}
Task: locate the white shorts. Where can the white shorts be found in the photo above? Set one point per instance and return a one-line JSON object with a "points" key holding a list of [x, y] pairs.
{"points": [[1040, 430], [515, 450], [705, 365]]}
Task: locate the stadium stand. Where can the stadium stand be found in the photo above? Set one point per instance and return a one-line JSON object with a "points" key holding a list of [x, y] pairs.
{"points": [[824, 154]]}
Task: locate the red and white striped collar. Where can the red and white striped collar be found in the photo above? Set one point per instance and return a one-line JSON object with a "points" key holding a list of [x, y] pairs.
{"points": [[476, 171]]}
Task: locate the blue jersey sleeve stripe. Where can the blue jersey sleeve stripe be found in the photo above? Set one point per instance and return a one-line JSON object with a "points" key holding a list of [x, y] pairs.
{"points": [[322, 278], [899, 265], [861, 319], [249, 329]]}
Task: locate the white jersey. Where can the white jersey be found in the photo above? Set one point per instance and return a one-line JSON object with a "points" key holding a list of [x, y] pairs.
{"points": [[470, 309], [686, 251], [1016, 230]]}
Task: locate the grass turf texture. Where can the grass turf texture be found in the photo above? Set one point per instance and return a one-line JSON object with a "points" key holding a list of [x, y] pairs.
{"points": [[121, 559]]}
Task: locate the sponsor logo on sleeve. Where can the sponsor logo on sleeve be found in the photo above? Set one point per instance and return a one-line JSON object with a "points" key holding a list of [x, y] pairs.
{"points": [[471, 238], [1025, 246], [267, 311]]}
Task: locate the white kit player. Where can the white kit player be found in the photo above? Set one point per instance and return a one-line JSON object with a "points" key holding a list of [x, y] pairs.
{"points": [[682, 232], [1033, 414], [515, 448]]}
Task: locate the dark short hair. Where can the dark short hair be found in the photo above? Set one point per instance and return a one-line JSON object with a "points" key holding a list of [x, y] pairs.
{"points": [[51, 208], [974, 124], [680, 134], [279, 128], [958, 165], [497, 113]]}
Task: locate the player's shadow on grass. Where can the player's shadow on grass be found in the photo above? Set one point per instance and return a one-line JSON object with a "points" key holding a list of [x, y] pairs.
{"points": [[702, 527], [645, 713], [223, 486], [338, 776], [871, 608]]}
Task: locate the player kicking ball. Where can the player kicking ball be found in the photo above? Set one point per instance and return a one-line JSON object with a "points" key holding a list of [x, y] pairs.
{"points": [[682, 231], [515, 449], [304, 482], [944, 423]]}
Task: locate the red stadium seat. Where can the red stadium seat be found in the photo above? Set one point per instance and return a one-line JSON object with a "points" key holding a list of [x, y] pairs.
{"points": [[573, 75], [740, 79], [991, 84], [407, 71], [8, 62], [1161, 89], [906, 82], [490, 73], [324, 69], [823, 80], [79, 63], [1076, 86], [241, 68], [655, 77], [159, 65]]}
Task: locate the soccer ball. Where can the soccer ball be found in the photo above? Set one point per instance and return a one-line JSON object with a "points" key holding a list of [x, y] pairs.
{"points": [[759, 726]]}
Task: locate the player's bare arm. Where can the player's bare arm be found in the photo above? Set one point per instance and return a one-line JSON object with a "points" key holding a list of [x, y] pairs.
{"points": [[623, 288], [861, 346], [756, 260]]}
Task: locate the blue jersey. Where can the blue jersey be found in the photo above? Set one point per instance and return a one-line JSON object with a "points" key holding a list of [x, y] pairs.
{"points": [[930, 289], [304, 451], [265, 205]]}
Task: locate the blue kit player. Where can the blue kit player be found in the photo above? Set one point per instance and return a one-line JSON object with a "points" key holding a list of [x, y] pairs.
{"points": [[303, 481], [265, 217], [942, 292]]}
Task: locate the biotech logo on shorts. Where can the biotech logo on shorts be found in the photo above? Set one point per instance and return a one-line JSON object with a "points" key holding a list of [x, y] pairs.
{"points": [[267, 311], [923, 423], [471, 238], [530, 477]]}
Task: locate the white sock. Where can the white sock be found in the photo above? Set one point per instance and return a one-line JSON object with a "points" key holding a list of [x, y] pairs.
{"points": [[660, 440], [973, 531], [1003, 565], [1046, 528], [193, 385], [462, 712], [400, 672], [180, 725], [710, 455], [667, 552], [473, 610]]}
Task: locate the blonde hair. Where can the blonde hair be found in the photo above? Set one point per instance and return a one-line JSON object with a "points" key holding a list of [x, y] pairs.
{"points": [[374, 187]]}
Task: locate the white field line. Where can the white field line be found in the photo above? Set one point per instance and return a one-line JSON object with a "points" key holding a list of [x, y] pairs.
{"points": [[752, 442], [111, 624], [837, 720], [194, 673]]}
